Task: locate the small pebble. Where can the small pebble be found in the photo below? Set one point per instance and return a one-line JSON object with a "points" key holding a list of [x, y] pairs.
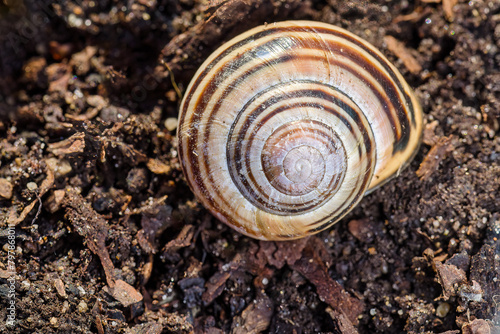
{"points": [[65, 307], [31, 186], [171, 123], [5, 189], [442, 309], [59, 285], [81, 291], [82, 307]]}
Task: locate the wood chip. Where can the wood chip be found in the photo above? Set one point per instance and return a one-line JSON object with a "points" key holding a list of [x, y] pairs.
{"points": [[414, 16], [216, 283], [33, 71], [81, 60], [124, 293], [47, 183], [58, 75], [89, 114], [448, 276], [59, 285], [436, 154], [400, 51], [147, 270]]}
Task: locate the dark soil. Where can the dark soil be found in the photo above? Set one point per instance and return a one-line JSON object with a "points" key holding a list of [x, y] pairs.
{"points": [[109, 238]]}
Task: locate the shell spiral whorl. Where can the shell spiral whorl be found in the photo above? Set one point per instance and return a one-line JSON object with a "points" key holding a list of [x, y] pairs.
{"points": [[284, 128]]}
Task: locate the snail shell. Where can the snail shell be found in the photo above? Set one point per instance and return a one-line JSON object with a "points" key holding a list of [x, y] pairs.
{"points": [[284, 128]]}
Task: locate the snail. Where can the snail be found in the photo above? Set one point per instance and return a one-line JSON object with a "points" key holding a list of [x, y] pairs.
{"points": [[285, 127]]}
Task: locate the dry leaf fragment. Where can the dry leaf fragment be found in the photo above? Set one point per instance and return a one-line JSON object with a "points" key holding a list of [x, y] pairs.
{"points": [[404, 54]]}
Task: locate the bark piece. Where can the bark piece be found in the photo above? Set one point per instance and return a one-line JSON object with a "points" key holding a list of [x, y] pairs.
{"points": [[193, 288], [485, 273], [92, 227], [154, 221], [124, 293], [311, 266], [59, 285], [437, 153], [342, 322], [185, 52], [255, 318], [478, 326], [278, 254], [184, 239], [147, 328], [449, 277], [460, 260], [215, 286]]}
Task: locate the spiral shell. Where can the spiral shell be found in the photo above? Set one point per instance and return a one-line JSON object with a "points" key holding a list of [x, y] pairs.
{"points": [[284, 128]]}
